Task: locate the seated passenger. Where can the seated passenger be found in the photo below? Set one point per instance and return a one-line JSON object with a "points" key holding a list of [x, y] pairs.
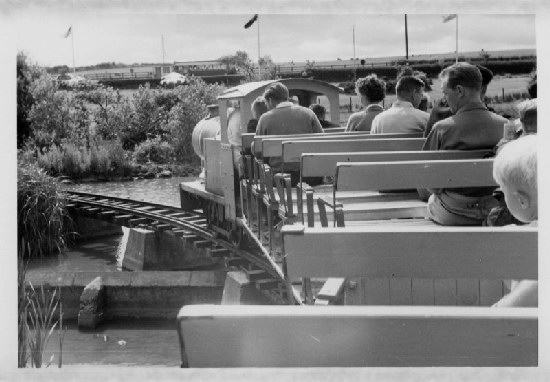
{"points": [[441, 109], [515, 170], [285, 117], [258, 107], [528, 116], [501, 215], [403, 116], [472, 127], [372, 91], [321, 114]]}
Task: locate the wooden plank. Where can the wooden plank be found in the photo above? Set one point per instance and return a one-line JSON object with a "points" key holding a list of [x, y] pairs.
{"points": [[377, 291], [258, 139], [122, 219], [400, 291], [423, 292], [414, 174], [324, 164], [202, 243], [467, 292], [445, 292], [490, 291], [357, 336], [383, 249], [219, 252], [293, 150]]}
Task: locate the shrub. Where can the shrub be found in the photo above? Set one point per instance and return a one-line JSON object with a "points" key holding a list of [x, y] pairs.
{"points": [[41, 212], [153, 150]]}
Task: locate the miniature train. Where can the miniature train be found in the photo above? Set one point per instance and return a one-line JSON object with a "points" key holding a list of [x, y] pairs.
{"points": [[218, 192]]}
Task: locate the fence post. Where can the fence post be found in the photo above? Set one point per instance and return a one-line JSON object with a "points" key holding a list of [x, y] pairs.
{"points": [[502, 94], [350, 106]]}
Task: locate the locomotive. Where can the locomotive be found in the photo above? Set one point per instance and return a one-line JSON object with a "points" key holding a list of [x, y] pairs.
{"points": [[217, 191]]}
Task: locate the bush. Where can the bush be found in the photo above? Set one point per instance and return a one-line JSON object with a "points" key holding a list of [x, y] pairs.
{"points": [[153, 150], [41, 212]]}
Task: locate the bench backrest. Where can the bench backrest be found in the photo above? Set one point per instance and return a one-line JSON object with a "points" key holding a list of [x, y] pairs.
{"points": [[292, 150], [324, 164], [424, 252], [273, 147], [257, 139], [358, 336], [414, 174]]}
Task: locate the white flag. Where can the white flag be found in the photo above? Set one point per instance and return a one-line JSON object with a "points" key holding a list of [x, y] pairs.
{"points": [[449, 17], [68, 33]]}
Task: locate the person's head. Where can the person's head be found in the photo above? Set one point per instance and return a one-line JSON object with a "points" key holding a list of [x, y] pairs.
{"points": [[213, 110], [515, 170], [319, 111], [275, 93], [410, 89], [461, 84], [486, 78], [258, 107], [528, 115], [371, 89]]}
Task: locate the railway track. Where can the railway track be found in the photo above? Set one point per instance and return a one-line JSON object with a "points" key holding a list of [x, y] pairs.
{"points": [[193, 229]]}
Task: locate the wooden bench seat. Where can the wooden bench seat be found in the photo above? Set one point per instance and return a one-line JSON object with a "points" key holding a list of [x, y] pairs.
{"points": [[321, 164], [335, 336]]}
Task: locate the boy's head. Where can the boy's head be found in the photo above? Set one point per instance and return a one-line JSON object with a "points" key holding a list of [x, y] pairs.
{"points": [[515, 170], [528, 115], [319, 111]]}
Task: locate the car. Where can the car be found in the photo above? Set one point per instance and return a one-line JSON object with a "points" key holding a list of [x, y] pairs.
{"points": [[71, 80]]}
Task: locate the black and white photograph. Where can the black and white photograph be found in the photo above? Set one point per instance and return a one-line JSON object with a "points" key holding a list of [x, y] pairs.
{"points": [[273, 191]]}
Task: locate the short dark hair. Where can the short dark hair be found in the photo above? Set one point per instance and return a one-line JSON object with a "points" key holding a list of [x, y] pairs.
{"points": [[319, 110], [259, 106], [407, 84], [486, 75], [371, 87], [464, 74], [276, 92]]}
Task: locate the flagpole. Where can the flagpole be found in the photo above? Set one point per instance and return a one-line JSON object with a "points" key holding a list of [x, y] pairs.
{"points": [[406, 39], [456, 45], [354, 60], [72, 42], [259, 66]]}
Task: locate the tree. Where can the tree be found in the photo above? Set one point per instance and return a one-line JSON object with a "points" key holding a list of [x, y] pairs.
{"points": [[26, 74], [239, 62], [269, 69]]}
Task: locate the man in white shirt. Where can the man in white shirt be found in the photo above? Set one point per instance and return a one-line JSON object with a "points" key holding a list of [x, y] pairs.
{"points": [[403, 116]]}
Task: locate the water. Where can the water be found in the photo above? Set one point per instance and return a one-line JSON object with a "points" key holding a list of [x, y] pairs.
{"points": [[160, 191], [123, 343]]}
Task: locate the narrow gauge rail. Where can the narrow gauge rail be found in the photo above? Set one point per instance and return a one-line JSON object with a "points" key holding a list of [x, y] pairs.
{"points": [[191, 227]]}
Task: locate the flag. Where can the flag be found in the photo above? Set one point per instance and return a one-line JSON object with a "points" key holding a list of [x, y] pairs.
{"points": [[68, 33], [251, 21], [449, 17]]}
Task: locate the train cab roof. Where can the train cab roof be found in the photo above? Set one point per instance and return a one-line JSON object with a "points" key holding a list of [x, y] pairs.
{"points": [[254, 89]]}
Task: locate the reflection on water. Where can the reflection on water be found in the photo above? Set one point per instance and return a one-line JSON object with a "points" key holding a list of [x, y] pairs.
{"points": [[160, 191], [123, 343]]}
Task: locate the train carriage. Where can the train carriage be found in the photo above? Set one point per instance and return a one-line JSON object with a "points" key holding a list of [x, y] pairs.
{"points": [[218, 193]]}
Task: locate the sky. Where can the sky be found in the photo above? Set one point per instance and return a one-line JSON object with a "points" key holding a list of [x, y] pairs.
{"points": [[127, 36]]}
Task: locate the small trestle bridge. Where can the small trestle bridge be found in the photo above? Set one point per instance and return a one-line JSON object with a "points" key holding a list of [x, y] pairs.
{"points": [[191, 227]]}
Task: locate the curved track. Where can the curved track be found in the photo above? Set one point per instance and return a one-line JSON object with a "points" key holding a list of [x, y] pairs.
{"points": [[192, 228]]}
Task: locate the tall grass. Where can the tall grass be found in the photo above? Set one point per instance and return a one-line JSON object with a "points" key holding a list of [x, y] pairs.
{"points": [[103, 157], [39, 313], [43, 221]]}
